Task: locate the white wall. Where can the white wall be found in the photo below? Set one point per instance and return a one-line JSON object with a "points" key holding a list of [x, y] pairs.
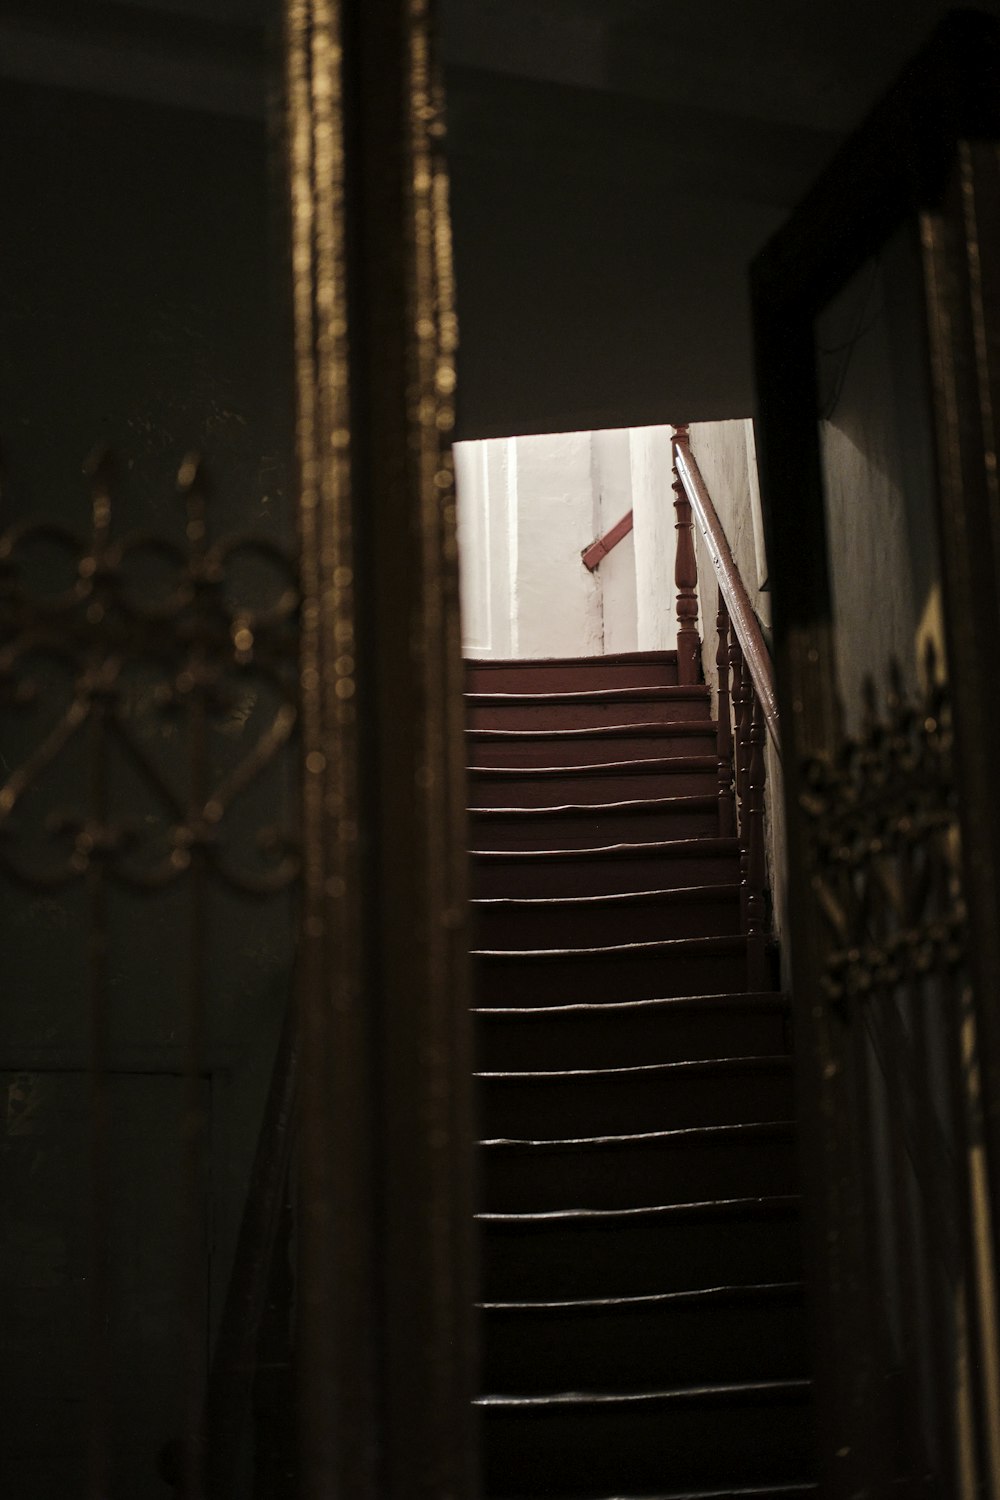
{"points": [[529, 507], [557, 601], [616, 579]]}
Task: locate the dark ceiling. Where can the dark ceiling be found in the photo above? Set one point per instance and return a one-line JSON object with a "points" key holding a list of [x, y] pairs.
{"points": [[616, 164]]}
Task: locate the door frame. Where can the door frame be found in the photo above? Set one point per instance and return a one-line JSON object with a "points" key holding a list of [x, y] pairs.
{"points": [[926, 156]]}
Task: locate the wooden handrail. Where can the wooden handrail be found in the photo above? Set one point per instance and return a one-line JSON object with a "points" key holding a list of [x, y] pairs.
{"points": [[593, 554], [744, 621]]}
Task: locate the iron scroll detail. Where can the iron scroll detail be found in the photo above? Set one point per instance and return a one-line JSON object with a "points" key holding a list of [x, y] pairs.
{"points": [[146, 643], [883, 840]]}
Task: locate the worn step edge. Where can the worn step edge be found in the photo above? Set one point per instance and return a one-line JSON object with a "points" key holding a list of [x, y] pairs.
{"points": [[682, 895], [668, 765], [804, 1491], [774, 1063], [661, 728], [666, 947], [771, 1205], [685, 1135], [687, 802], [706, 846], [756, 1291], [764, 1391], [742, 1000], [666, 694]]}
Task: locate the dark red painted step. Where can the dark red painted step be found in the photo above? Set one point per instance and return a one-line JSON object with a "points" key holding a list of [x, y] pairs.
{"points": [[561, 674], [602, 708], [730, 1333], [632, 917], [641, 866], [635, 971], [759, 1432], [589, 827], [625, 1252], [641, 1031], [638, 1171], [804, 1491], [571, 747], [648, 1096], [621, 781]]}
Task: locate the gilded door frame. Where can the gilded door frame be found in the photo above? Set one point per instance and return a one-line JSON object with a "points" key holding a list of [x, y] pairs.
{"points": [[386, 1325]]}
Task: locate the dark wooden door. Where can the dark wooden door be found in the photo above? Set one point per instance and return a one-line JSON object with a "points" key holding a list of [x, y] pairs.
{"points": [[877, 323]]}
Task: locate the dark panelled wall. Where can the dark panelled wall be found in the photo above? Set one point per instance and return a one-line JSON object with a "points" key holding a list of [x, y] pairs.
{"points": [[140, 305]]}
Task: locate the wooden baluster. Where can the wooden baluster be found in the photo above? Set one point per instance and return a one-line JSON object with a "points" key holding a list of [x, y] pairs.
{"points": [[741, 694], [686, 580], [724, 731], [741, 704], [755, 866]]}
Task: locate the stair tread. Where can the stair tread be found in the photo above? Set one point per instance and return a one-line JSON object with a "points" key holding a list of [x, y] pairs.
{"points": [[668, 848], [674, 1395], [734, 1292], [668, 896], [740, 1492], [725, 943], [779, 1062], [741, 1000], [661, 728], [767, 1204], [679, 1136], [666, 765], [685, 801], [663, 694], [701, 1266]]}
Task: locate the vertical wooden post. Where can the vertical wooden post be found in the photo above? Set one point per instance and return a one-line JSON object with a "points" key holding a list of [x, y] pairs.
{"points": [[724, 730], [686, 580], [754, 838], [385, 1329], [741, 720], [740, 761]]}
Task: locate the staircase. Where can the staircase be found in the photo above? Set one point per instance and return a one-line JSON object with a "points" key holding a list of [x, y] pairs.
{"points": [[643, 1327]]}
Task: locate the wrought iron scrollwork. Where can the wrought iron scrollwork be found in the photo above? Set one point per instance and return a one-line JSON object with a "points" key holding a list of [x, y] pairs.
{"points": [[884, 843], [147, 685]]}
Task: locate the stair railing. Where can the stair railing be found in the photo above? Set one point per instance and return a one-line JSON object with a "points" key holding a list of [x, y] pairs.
{"points": [[747, 705]]}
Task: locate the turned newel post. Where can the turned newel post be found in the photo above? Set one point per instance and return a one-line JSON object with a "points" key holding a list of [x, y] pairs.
{"points": [[686, 580]]}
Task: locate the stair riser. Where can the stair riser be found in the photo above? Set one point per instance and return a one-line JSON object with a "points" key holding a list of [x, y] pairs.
{"points": [[618, 1039], [593, 830], [590, 1107], [569, 676], [627, 922], [633, 1258], [553, 1452], [602, 875], [647, 1348], [585, 750], [590, 980], [585, 715], [635, 1174]]}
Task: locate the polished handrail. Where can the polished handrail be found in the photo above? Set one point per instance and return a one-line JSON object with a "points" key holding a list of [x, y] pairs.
{"points": [[597, 551], [744, 621]]}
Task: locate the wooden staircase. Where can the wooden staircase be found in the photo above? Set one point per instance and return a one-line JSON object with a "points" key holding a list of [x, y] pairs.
{"points": [[642, 1300]]}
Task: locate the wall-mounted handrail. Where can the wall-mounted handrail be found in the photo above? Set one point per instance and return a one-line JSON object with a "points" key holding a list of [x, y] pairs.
{"points": [[741, 615], [598, 550]]}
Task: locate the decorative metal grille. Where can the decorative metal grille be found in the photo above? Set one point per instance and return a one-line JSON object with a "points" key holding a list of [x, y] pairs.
{"points": [[883, 829], [148, 687], [148, 641]]}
